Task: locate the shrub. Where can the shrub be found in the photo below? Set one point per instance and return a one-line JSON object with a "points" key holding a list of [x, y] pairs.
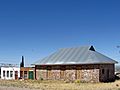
{"points": [[41, 78], [77, 81]]}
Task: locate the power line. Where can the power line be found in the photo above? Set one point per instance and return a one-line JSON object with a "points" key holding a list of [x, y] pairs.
{"points": [[8, 65]]}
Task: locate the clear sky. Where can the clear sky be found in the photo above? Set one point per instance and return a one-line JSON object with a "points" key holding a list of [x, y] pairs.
{"points": [[37, 28]]}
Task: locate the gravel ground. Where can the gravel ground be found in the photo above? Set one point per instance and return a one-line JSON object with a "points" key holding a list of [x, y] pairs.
{"points": [[15, 88]]}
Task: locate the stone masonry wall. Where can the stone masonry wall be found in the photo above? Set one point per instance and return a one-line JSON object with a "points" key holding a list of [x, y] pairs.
{"points": [[41, 74], [55, 72], [84, 73], [90, 73]]}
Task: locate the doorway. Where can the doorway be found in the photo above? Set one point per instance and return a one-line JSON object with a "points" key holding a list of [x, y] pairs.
{"points": [[16, 75], [108, 74], [31, 75]]}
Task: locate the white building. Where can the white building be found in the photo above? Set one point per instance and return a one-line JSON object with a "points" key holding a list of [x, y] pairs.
{"points": [[10, 73]]}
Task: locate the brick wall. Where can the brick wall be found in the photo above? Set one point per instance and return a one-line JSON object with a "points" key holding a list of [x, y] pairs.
{"points": [[24, 72]]}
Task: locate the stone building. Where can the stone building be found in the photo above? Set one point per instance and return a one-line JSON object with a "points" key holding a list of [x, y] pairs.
{"points": [[78, 63]]}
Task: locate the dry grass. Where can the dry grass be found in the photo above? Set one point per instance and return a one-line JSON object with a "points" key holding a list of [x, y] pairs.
{"points": [[60, 85]]}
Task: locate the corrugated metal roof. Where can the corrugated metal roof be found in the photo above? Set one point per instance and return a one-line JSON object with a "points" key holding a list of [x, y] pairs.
{"points": [[76, 55]]}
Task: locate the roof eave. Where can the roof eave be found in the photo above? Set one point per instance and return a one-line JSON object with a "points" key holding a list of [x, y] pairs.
{"points": [[74, 64]]}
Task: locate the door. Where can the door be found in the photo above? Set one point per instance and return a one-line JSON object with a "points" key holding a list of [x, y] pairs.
{"points": [[31, 75], [107, 74], [21, 74], [16, 75]]}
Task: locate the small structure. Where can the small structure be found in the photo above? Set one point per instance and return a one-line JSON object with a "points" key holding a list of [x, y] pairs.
{"points": [[9, 72], [79, 63], [27, 73]]}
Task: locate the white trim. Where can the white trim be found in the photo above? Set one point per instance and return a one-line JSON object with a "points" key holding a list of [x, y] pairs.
{"points": [[9, 69]]}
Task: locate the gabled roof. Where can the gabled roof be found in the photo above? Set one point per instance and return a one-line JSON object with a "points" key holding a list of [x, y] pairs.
{"points": [[76, 55]]}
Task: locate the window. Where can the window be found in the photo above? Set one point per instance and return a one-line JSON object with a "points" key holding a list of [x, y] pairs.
{"points": [[11, 73], [103, 71], [49, 67], [3, 73], [25, 74], [7, 73]]}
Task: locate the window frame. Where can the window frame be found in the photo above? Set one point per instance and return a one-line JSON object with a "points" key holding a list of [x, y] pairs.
{"points": [[4, 73], [11, 74], [8, 74]]}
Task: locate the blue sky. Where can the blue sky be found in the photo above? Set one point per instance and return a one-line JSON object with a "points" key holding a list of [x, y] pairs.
{"points": [[37, 28]]}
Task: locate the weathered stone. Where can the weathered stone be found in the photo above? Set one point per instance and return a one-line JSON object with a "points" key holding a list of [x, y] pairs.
{"points": [[84, 73], [41, 74], [55, 74]]}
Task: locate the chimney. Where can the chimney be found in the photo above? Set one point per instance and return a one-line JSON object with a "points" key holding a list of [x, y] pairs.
{"points": [[22, 63]]}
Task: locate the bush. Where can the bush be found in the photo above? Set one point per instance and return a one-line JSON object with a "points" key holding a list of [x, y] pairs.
{"points": [[41, 78], [77, 81]]}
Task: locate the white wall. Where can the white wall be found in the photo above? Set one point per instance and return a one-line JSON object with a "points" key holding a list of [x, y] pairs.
{"points": [[9, 69]]}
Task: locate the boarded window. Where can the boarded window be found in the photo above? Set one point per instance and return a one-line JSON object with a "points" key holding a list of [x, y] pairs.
{"points": [[103, 71]]}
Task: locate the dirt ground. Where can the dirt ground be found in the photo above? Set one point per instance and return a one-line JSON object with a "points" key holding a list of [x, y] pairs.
{"points": [[14, 88], [56, 85]]}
